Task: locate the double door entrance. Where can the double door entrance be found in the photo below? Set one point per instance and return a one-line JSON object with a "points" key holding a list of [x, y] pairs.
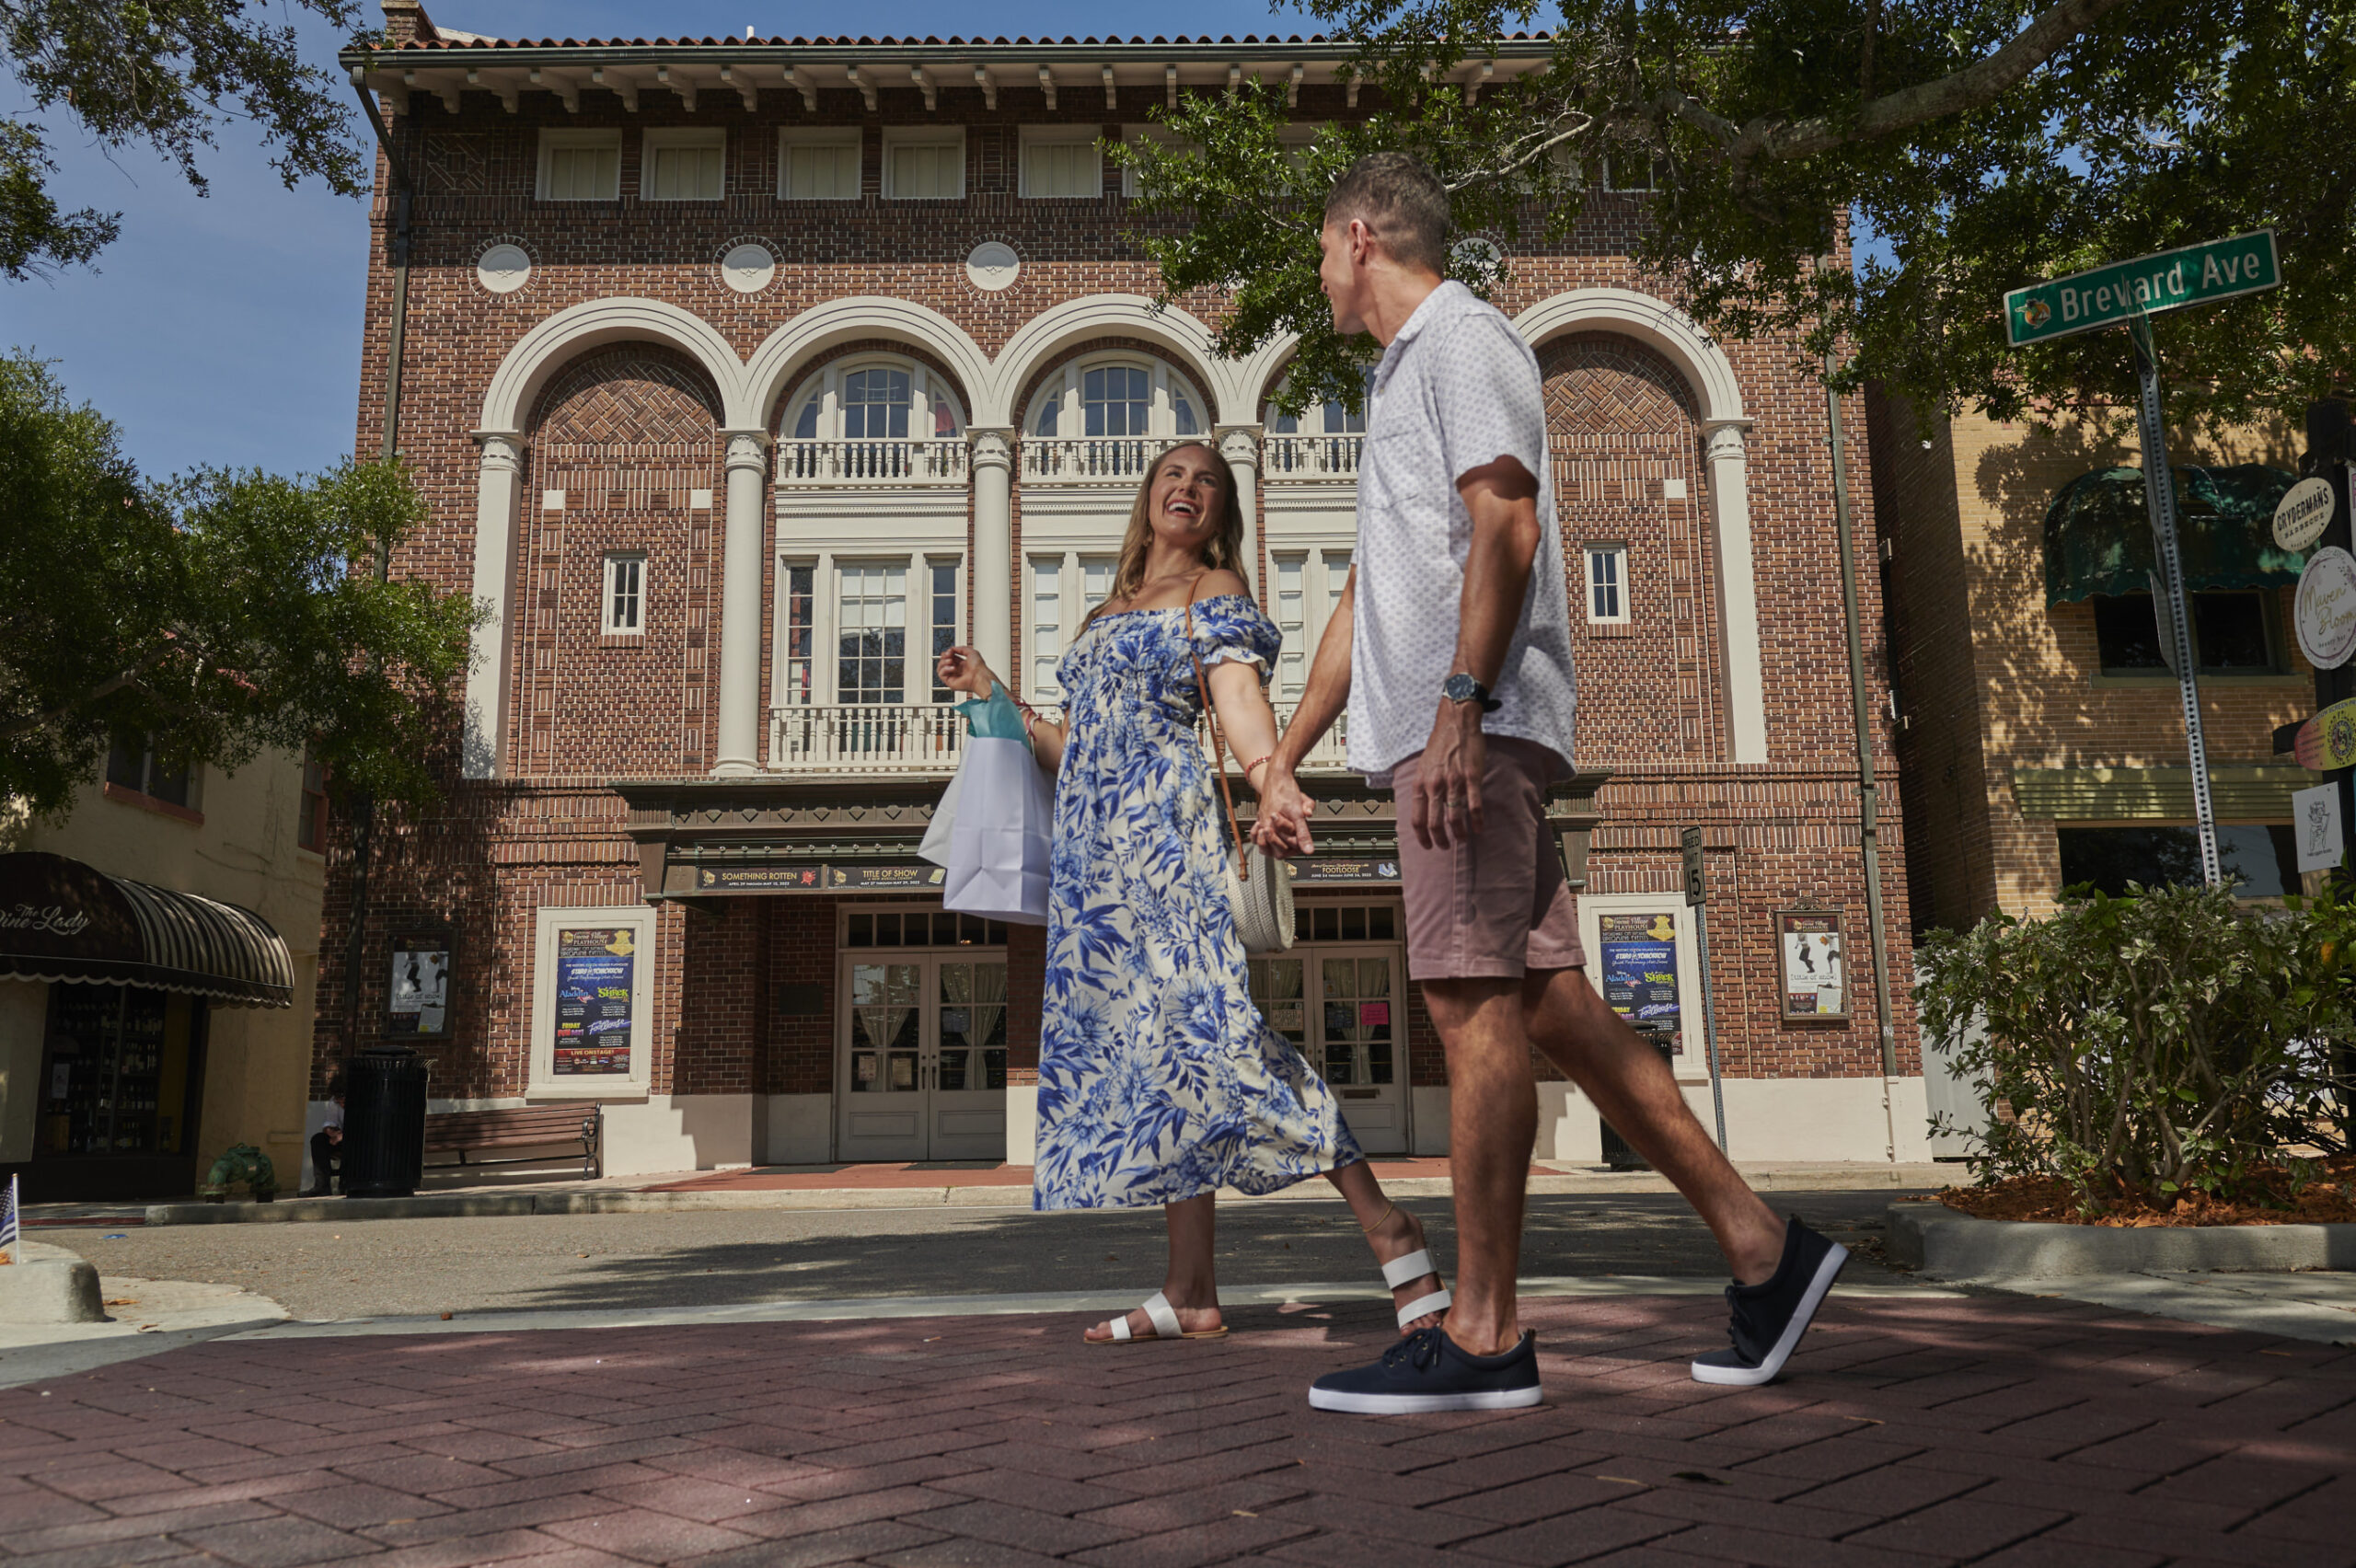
{"points": [[1339, 1002], [923, 1058]]}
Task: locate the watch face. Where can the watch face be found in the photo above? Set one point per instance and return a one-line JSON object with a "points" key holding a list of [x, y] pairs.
{"points": [[1459, 688]]}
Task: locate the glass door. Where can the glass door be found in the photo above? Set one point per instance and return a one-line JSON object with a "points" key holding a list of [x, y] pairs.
{"points": [[924, 1059], [1340, 1006]]}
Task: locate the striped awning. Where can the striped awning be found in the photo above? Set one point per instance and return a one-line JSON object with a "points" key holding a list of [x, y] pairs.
{"points": [[64, 921]]}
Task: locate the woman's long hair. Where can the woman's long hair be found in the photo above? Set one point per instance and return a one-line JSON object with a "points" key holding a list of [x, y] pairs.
{"points": [[1222, 551]]}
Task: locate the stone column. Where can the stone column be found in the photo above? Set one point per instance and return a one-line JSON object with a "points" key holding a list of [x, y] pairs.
{"points": [[498, 505], [1746, 693], [1240, 445], [992, 631], [739, 603]]}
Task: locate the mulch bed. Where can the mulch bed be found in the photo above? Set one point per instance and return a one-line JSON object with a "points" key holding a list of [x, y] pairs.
{"points": [[2330, 1199]]}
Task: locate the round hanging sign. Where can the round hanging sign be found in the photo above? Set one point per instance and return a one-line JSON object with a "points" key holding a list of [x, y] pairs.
{"points": [[2303, 513], [2326, 610]]}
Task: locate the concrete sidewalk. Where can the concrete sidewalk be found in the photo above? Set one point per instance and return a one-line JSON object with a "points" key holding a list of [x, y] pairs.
{"points": [[1914, 1429], [944, 1184]]}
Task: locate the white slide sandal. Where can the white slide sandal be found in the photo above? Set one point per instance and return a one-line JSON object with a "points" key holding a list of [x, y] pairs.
{"points": [[1165, 1324], [1414, 1266]]}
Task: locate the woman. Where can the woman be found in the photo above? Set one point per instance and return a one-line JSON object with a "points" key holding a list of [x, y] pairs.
{"points": [[1159, 1080]]}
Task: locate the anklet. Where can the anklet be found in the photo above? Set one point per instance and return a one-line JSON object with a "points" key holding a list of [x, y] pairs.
{"points": [[1370, 1230]]}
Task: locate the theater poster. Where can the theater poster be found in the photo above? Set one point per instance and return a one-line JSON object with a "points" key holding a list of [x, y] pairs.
{"points": [[595, 997], [1639, 968], [1812, 951]]}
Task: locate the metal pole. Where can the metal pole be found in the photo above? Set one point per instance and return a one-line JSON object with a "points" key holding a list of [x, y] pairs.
{"points": [[1868, 791], [2159, 497], [1710, 1020]]}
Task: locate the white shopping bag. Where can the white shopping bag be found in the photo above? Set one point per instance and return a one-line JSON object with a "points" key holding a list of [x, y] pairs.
{"points": [[935, 846], [1002, 816]]}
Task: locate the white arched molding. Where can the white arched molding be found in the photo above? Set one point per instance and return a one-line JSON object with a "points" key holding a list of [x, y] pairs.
{"points": [[1666, 330], [571, 332], [779, 361], [498, 505], [1114, 316]]}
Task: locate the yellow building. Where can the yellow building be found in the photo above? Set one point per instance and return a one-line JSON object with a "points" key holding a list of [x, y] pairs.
{"points": [[158, 953]]}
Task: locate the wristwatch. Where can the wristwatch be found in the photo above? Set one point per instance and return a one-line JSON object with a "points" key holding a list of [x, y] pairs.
{"points": [[1461, 687]]}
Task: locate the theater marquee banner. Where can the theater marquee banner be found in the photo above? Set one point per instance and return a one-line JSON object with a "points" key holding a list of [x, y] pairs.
{"points": [[592, 992]]}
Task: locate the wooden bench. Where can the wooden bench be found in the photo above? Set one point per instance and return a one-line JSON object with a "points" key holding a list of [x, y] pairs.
{"points": [[520, 1126]]}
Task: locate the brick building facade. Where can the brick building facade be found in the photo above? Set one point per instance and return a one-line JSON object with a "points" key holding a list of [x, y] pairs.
{"points": [[740, 376]]}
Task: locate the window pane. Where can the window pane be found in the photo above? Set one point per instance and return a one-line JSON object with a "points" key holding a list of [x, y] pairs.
{"points": [[822, 173], [875, 404], [1605, 597], [127, 762], [944, 620], [1050, 415], [872, 626], [683, 173], [2260, 861], [2127, 635], [1292, 663], [584, 174], [1116, 398], [805, 427], [799, 597], [1046, 623], [1182, 410], [167, 783], [2231, 631], [926, 172], [1062, 168]]}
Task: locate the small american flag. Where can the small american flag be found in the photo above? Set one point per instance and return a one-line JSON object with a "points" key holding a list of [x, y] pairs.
{"points": [[8, 1224]]}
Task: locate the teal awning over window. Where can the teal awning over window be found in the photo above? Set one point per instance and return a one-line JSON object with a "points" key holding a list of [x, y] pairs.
{"points": [[2098, 537]]}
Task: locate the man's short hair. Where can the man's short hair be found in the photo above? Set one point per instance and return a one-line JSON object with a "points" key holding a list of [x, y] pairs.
{"points": [[1401, 202]]}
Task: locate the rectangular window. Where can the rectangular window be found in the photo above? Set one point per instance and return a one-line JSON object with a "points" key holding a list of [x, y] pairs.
{"points": [[1115, 399], [132, 765], [944, 620], [1635, 171], [2259, 860], [1046, 625], [799, 606], [872, 634], [1061, 164], [818, 166], [581, 166], [682, 166], [1292, 621], [1154, 133], [2233, 634], [922, 165], [311, 824], [1607, 584], [625, 594], [1095, 580]]}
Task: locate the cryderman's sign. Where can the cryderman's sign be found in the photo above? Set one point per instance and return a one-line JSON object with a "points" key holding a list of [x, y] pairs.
{"points": [[2105, 297]]}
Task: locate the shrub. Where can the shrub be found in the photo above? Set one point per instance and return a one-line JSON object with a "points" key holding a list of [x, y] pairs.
{"points": [[2167, 1043]]}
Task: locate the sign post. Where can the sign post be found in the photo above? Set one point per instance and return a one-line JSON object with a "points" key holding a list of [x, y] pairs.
{"points": [[1697, 897], [2130, 293]]}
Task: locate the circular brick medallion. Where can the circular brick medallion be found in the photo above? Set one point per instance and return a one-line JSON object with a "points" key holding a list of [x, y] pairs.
{"points": [[992, 266], [748, 269], [503, 269]]}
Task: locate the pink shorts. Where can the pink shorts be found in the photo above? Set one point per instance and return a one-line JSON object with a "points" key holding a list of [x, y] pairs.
{"points": [[1499, 905]]}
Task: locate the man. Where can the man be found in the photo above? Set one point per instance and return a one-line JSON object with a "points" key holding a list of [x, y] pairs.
{"points": [[1451, 646], [327, 1144]]}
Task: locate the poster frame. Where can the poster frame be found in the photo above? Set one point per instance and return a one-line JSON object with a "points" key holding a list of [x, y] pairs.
{"points": [[420, 938], [646, 985], [1839, 924], [1691, 1063]]}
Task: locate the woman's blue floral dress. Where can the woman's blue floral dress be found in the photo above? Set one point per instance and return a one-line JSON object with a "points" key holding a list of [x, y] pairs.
{"points": [[1158, 1079]]}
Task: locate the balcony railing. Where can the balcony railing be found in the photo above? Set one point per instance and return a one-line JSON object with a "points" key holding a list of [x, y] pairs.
{"points": [[1310, 459], [1089, 460], [921, 740], [930, 462]]}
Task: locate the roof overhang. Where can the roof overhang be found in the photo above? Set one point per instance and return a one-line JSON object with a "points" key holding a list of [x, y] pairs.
{"points": [[65, 922], [799, 69]]}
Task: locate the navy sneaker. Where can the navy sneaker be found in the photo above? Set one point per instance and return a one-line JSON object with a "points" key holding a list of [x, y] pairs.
{"points": [[1427, 1372], [1769, 1318]]}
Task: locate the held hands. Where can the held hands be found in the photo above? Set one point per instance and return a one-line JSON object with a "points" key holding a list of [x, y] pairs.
{"points": [[1281, 825], [1446, 804], [960, 669]]}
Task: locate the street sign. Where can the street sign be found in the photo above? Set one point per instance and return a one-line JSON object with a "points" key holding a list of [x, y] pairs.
{"points": [[2314, 817], [1697, 886], [2327, 741], [2303, 513], [2197, 275], [2324, 610]]}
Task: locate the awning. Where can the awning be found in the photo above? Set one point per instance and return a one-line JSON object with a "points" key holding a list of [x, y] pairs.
{"points": [[2099, 537], [60, 920]]}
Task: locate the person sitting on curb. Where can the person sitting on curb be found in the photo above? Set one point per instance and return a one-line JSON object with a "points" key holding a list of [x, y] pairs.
{"points": [[327, 1145]]}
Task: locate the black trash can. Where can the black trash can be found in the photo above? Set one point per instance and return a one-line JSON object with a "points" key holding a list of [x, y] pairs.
{"points": [[384, 1123], [1617, 1151]]}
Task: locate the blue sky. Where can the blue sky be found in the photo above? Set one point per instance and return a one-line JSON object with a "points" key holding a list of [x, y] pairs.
{"points": [[226, 329]]}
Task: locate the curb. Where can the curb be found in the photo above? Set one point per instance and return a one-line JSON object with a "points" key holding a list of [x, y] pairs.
{"points": [[1944, 1244], [49, 1284]]}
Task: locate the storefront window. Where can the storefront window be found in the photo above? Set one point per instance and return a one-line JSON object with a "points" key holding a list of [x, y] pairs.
{"points": [[2260, 861], [2230, 634], [117, 1072]]}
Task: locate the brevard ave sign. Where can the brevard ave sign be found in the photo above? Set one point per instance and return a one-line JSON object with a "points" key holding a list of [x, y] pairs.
{"points": [[2108, 295]]}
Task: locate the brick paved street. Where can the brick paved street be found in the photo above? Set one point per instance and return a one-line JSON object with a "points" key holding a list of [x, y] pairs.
{"points": [[1931, 1431]]}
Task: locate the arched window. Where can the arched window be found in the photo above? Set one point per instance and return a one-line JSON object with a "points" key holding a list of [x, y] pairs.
{"points": [[1117, 397], [876, 400], [1331, 419]]}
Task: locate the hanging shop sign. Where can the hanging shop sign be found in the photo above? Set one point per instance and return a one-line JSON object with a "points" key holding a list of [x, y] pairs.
{"points": [[2315, 818], [1810, 951], [2303, 513], [1336, 869], [416, 993], [2326, 608], [596, 997], [2328, 742], [1639, 959]]}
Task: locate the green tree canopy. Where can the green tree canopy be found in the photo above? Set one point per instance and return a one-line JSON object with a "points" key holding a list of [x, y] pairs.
{"points": [[219, 613], [1989, 143], [161, 73]]}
